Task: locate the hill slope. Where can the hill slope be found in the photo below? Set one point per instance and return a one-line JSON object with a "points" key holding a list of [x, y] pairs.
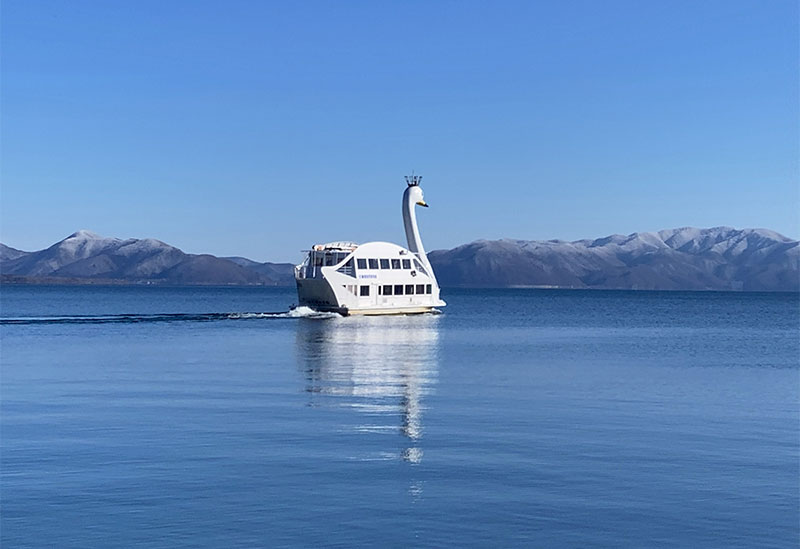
{"points": [[8, 253]]}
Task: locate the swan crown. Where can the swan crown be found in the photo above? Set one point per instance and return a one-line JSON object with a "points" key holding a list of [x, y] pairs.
{"points": [[413, 180]]}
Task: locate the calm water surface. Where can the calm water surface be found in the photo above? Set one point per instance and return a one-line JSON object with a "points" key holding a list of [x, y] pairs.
{"points": [[516, 418]]}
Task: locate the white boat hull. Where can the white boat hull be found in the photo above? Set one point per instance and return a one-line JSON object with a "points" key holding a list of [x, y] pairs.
{"points": [[393, 311], [321, 295]]}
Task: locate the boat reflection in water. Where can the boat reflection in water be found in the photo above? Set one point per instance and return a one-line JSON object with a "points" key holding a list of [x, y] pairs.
{"points": [[381, 367]]}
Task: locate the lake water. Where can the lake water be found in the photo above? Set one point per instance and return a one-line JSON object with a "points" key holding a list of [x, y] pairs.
{"points": [[515, 418]]}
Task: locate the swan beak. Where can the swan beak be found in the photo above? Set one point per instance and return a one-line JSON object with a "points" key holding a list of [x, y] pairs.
{"points": [[422, 203]]}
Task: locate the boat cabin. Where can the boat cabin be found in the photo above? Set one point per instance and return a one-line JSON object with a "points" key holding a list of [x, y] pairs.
{"points": [[376, 274]]}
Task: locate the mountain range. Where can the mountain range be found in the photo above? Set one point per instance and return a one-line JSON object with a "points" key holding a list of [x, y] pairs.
{"points": [[719, 258], [86, 257]]}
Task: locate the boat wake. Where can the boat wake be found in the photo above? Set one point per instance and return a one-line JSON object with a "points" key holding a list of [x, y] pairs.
{"points": [[299, 312]]}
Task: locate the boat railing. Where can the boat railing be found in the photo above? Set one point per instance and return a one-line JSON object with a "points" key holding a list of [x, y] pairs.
{"points": [[348, 268]]}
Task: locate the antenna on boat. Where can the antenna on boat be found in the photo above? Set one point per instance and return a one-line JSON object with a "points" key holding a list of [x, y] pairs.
{"points": [[413, 180]]}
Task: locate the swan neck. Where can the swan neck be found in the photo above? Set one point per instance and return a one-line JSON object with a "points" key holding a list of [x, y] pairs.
{"points": [[410, 223]]}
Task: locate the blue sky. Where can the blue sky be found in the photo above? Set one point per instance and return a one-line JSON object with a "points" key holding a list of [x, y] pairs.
{"points": [[259, 128]]}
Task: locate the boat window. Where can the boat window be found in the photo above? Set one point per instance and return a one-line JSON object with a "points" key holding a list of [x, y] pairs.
{"points": [[373, 263], [420, 289], [328, 260], [409, 289], [362, 263], [428, 289], [317, 261], [406, 263], [364, 291], [395, 263], [420, 268], [387, 289], [384, 263], [379, 290], [398, 289], [339, 257]]}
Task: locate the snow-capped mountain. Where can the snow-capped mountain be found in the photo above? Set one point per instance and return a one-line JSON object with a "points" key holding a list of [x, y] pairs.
{"points": [[86, 255], [720, 258]]}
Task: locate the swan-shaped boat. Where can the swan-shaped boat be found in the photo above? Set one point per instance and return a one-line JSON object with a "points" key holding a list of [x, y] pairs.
{"points": [[375, 278]]}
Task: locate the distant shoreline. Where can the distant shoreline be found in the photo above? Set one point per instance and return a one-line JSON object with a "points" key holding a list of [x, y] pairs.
{"points": [[12, 280], [16, 280]]}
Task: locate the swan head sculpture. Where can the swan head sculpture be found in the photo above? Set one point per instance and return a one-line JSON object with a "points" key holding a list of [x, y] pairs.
{"points": [[414, 192], [415, 195]]}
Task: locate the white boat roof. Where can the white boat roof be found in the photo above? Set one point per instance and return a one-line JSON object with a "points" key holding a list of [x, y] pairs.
{"points": [[337, 246]]}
